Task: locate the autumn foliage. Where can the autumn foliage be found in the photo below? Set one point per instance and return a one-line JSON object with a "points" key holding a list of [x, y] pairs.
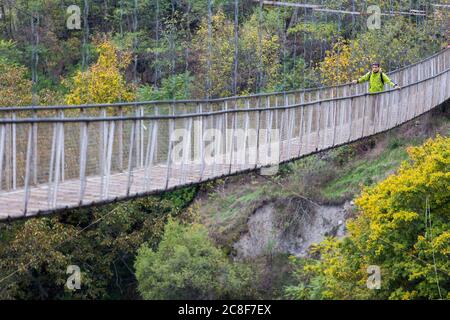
{"points": [[392, 232], [15, 87], [103, 81], [344, 62]]}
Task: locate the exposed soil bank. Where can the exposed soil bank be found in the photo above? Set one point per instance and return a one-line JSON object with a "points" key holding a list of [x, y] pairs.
{"points": [[266, 235]]}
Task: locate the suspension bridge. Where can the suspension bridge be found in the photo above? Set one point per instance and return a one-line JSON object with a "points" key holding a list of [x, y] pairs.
{"points": [[54, 158]]}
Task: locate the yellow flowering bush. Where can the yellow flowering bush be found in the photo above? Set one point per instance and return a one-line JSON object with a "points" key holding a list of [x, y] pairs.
{"points": [[344, 62], [103, 81], [393, 232]]}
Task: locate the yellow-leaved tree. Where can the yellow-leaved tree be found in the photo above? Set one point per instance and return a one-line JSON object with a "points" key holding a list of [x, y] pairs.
{"points": [[344, 62], [103, 82], [403, 229]]}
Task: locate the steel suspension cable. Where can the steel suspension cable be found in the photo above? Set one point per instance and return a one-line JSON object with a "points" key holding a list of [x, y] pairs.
{"points": [[85, 46], [259, 83], [187, 48], [157, 62], [305, 64], [284, 49], [280, 39], [209, 65], [34, 55], [236, 46], [121, 19], [135, 40]]}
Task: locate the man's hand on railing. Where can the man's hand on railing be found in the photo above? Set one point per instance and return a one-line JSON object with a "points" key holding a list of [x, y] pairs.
{"points": [[354, 81], [397, 87]]}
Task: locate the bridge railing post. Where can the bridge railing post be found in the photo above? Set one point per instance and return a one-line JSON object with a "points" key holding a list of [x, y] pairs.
{"points": [[350, 101], [309, 128], [120, 140], [281, 128], [169, 154], [29, 158], [14, 152], [35, 153], [200, 142], [59, 163], [318, 108], [130, 157], [301, 125], [151, 148], [258, 129], [372, 113], [363, 125], [232, 138], [186, 149], [291, 118], [84, 143], [246, 129]]}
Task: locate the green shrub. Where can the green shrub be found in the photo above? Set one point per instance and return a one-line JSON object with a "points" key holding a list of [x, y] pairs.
{"points": [[187, 265]]}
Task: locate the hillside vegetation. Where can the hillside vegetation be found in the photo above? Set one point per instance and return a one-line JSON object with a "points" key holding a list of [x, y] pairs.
{"points": [[183, 244]]}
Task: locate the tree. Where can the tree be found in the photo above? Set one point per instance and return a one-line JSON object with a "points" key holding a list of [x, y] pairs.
{"points": [[187, 265], [177, 87], [215, 56], [103, 82], [298, 75], [399, 42], [102, 241], [250, 62], [214, 67], [15, 86], [344, 63], [392, 232]]}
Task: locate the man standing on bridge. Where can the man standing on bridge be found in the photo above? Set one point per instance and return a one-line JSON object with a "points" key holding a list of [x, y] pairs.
{"points": [[376, 79]]}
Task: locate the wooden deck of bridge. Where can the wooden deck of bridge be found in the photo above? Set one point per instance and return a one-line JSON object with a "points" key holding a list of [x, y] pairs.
{"points": [[12, 203]]}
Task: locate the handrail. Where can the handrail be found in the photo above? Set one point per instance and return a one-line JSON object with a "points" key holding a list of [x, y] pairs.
{"points": [[210, 113]]}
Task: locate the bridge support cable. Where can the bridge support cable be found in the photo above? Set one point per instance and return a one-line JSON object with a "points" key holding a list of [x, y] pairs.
{"points": [[321, 8]]}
